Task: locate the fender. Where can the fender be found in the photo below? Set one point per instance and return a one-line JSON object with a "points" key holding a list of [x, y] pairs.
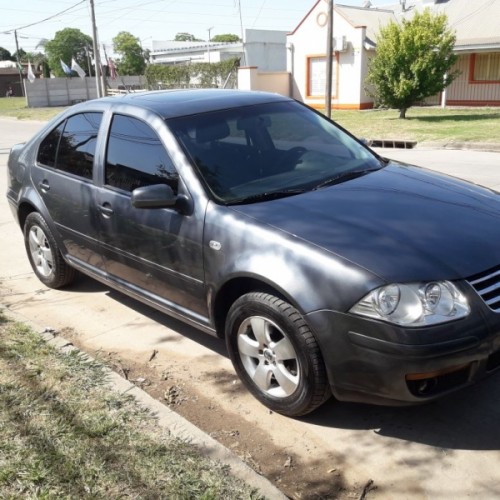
{"points": [[237, 246]]}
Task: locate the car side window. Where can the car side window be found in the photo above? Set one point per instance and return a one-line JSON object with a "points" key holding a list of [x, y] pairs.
{"points": [[48, 148], [71, 146], [136, 157]]}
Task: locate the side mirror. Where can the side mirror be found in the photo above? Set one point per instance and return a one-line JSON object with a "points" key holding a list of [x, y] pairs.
{"points": [[160, 196], [154, 196]]}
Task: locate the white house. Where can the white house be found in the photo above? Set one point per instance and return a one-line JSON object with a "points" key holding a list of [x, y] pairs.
{"points": [[263, 48], [355, 32]]}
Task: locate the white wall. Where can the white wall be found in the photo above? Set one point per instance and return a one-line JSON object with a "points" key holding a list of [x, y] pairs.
{"points": [[250, 78], [310, 40], [265, 49]]}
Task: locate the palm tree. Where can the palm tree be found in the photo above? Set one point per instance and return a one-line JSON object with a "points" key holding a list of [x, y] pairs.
{"points": [[40, 59]]}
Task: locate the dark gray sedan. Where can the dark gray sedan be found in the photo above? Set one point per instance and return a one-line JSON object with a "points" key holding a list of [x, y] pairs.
{"points": [[248, 215]]}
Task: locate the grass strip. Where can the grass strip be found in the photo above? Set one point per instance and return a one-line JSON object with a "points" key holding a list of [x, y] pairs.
{"points": [[66, 434], [424, 124]]}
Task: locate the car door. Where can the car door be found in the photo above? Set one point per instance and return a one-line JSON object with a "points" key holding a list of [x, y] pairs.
{"points": [[63, 176], [156, 253]]}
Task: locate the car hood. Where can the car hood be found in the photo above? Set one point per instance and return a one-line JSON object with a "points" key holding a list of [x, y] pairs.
{"points": [[402, 223]]}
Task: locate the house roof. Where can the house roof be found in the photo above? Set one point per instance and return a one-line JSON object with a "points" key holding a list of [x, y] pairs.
{"points": [[173, 46], [372, 19], [475, 22]]}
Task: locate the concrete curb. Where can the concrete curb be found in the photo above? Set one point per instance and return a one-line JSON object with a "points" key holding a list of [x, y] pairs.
{"points": [[458, 145], [475, 146], [169, 420]]}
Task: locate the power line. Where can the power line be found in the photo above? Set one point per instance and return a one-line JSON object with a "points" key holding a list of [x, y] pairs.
{"points": [[43, 20], [473, 13]]}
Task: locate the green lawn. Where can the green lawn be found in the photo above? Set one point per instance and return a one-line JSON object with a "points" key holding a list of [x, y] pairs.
{"points": [[424, 124], [65, 434], [421, 124], [15, 107]]}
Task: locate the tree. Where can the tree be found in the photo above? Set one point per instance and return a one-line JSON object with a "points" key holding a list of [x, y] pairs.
{"points": [[5, 55], [67, 44], [228, 37], [131, 60], [19, 55], [39, 62], [186, 37], [413, 61]]}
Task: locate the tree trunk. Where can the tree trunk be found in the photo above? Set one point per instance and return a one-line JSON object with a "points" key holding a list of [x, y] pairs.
{"points": [[402, 113]]}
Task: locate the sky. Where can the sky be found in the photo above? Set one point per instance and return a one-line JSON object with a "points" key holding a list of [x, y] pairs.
{"points": [[148, 19]]}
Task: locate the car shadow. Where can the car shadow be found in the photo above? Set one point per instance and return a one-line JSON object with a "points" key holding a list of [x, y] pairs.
{"points": [[85, 284], [466, 420]]}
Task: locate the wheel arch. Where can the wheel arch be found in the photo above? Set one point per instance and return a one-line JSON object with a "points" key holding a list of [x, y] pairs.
{"points": [[25, 208], [236, 287]]}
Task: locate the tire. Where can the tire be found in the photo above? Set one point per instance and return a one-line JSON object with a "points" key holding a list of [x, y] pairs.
{"points": [[44, 255], [276, 355]]}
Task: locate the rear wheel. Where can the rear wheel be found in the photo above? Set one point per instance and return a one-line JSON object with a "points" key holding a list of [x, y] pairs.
{"points": [[44, 255], [276, 355]]}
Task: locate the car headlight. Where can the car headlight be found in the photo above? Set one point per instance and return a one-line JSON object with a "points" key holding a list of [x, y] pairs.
{"points": [[414, 304]]}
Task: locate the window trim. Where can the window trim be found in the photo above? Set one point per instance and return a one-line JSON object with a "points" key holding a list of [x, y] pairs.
{"points": [[472, 70], [335, 75]]}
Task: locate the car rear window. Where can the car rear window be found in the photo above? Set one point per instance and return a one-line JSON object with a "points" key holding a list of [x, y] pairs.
{"points": [[70, 147]]}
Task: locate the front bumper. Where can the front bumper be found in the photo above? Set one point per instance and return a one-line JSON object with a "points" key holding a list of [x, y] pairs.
{"points": [[371, 361]]}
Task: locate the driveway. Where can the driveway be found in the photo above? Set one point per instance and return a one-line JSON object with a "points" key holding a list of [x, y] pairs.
{"points": [[449, 449]]}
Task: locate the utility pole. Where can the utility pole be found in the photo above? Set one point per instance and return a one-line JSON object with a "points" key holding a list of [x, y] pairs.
{"points": [[209, 41], [95, 48], [19, 66], [329, 61]]}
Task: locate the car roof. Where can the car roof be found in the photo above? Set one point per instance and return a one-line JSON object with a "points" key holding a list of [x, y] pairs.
{"points": [[183, 102]]}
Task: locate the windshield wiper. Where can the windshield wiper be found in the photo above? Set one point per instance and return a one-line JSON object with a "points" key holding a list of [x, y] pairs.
{"points": [[344, 176], [271, 195]]}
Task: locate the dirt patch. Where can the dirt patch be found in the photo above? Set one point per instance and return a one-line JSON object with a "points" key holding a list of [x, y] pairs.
{"points": [[236, 420]]}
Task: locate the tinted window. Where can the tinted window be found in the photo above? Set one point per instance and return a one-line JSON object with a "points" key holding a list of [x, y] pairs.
{"points": [[77, 145], [48, 147], [136, 157], [269, 150]]}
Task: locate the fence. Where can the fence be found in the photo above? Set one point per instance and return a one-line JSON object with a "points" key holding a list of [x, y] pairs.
{"points": [[46, 92], [250, 78]]}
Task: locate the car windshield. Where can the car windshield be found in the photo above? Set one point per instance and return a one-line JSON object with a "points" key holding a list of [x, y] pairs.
{"points": [[266, 151]]}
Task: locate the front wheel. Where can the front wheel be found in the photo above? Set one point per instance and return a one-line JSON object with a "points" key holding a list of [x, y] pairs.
{"points": [[276, 355], [44, 255]]}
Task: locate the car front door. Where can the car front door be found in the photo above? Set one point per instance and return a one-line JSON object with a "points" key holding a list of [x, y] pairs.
{"points": [[155, 253]]}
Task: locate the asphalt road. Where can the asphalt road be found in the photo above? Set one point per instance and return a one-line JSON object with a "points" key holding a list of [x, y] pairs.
{"points": [[447, 450]]}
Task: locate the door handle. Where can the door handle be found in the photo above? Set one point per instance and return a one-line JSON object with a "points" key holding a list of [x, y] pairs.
{"points": [[106, 209], [44, 185]]}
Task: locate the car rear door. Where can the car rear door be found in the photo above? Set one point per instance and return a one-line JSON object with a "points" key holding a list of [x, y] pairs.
{"points": [[155, 253], [63, 174]]}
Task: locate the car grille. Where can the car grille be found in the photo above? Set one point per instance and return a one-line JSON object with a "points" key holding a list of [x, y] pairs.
{"points": [[487, 285]]}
